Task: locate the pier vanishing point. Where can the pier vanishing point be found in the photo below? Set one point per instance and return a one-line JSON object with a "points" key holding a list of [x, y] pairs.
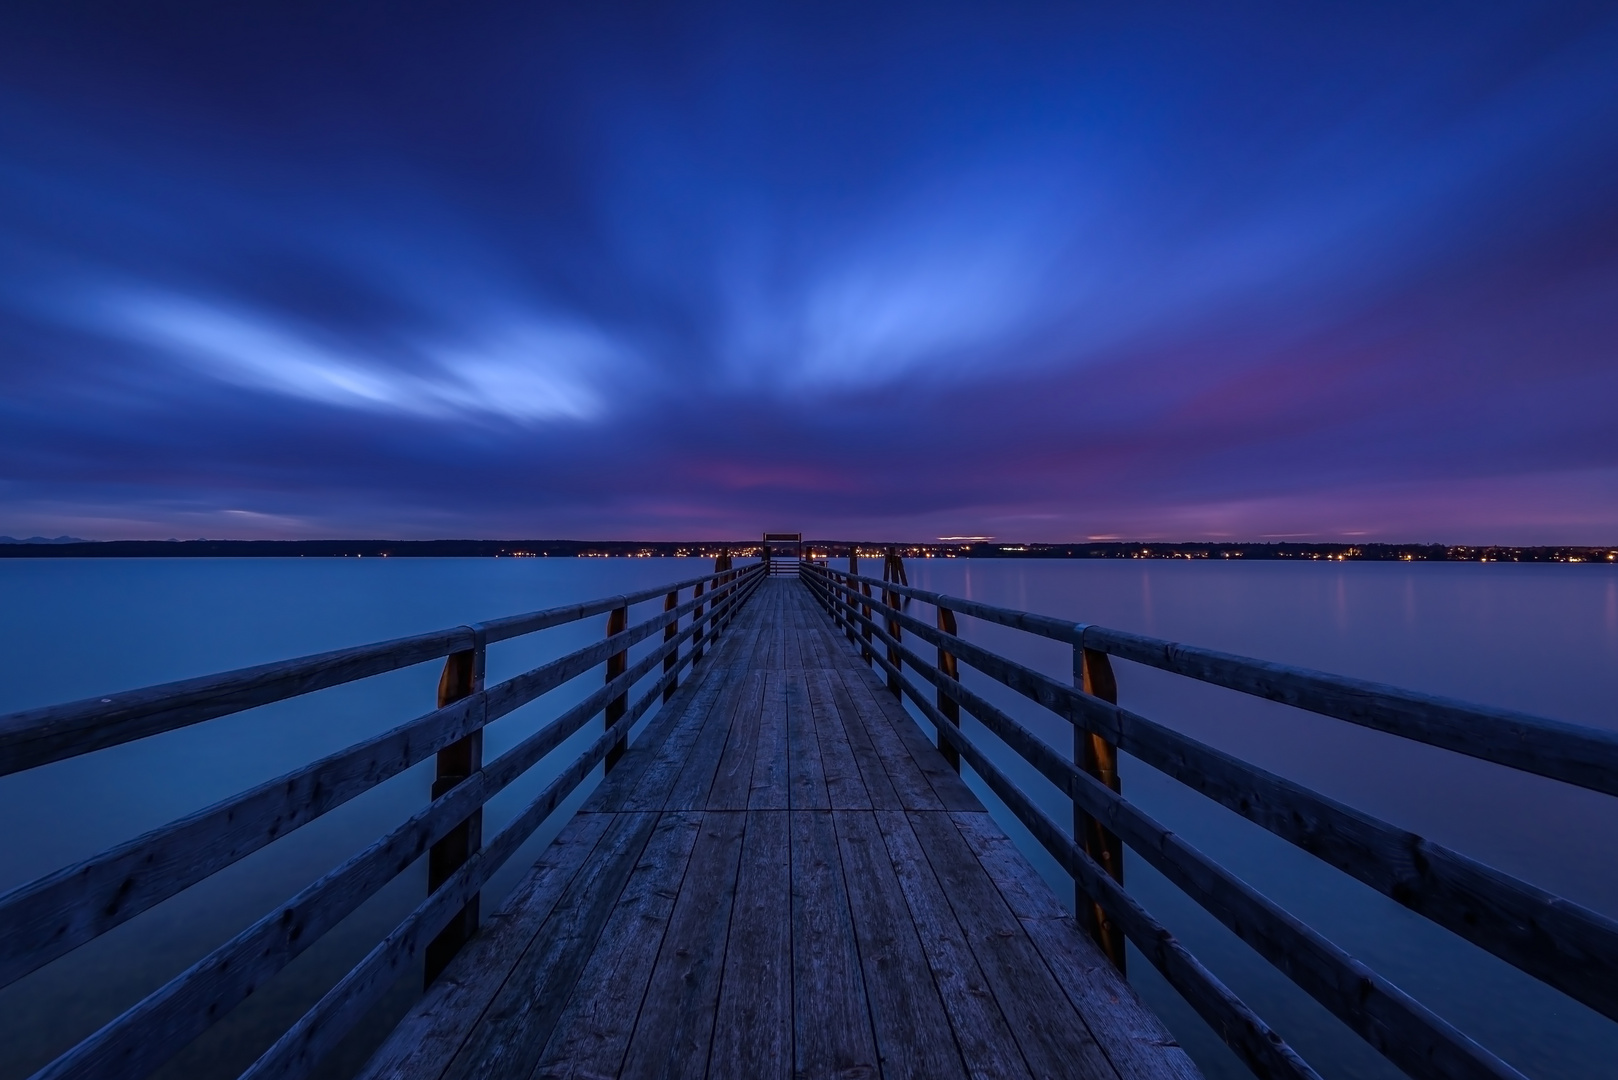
{"points": [[781, 870]]}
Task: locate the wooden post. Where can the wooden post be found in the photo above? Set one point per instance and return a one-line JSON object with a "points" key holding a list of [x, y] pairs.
{"points": [[1092, 673], [462, 677], [696, 621], [617, 664], [721, 565], [672, 660], [865, 629], [853, 568], [946, 704], [893, 569]]}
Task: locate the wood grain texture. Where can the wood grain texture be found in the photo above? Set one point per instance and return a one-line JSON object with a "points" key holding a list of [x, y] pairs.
{"points": [[522, 1016], [753, 1026], [987, 1047], [592, 1033], [674, 1032], [771, 776], [435, 1030], [832, 1034], [1054, 1039], [914, 1039], [806, 774], [845, 789], [1133, 1038]]}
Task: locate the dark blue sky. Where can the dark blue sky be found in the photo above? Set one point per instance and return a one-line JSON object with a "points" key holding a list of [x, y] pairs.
{"points": [[1302, 270]]}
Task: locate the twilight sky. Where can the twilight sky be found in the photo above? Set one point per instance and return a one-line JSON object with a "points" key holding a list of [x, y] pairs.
{"points": [[1295, 270]]}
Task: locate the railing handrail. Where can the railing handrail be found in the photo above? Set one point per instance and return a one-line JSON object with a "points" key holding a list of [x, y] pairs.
{"points": [[1576, 754], [33, 737], [1563, 944], [54, 914]]}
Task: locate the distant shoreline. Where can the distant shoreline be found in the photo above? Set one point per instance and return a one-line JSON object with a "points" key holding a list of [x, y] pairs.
{"points": [[837, 549]]}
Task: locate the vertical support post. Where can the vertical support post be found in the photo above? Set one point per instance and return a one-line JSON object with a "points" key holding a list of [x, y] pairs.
{"points": [[1092, 673], [893, 570], [865, 629], [946, 704], [672, 660], [617, 664], [853, 568], [462, 678], [721, 566], [696, 621]]}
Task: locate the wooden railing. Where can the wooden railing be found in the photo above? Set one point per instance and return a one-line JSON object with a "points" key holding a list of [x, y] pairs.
{"points": [[53, 915], [1564, 945]]}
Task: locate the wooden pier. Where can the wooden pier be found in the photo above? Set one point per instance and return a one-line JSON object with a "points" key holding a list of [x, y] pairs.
{"points": [[782, 878], [782, 873]]}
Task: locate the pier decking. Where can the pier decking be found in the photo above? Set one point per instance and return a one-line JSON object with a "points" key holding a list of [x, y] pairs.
{"points": [[782, 877]]}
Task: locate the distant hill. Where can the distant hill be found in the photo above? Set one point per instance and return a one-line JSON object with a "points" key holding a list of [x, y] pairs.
{"points": [[43, 540]]}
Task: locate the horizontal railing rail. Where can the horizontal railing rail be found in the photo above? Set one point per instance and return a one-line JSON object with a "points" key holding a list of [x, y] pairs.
{"points": [[1583, 756], [1558, 942], [53, 915], [35, 737]]}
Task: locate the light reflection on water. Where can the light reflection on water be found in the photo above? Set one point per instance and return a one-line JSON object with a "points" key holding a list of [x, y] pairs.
{"points": [[1539, 638]]}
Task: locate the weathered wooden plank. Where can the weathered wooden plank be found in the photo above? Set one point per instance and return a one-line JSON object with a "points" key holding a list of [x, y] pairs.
{"points": [[421, 1046], [1254, 1041], [695, 780], [520, 1019], [35, 737], [592, 1034], [644, 776], [1053, 1037], [807, 776], [844, 787], [1130, 1034], [983, 1038], [832, 1034], [769, 789], [873, 771], [946, 782], [674, 1033], [753, 1028], [733, 782], [913, 1033], [915, 791]]}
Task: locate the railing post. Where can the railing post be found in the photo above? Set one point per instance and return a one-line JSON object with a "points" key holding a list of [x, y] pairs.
{"points": [[672, 660], [893, 570], [946, 704], [617, 664], [721, 566], [1092, 673], [865, 628], [462, 677], [696, 621], [853, 568]]}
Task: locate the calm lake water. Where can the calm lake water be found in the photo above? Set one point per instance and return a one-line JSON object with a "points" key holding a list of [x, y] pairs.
{"points": [[1539, 638]]}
